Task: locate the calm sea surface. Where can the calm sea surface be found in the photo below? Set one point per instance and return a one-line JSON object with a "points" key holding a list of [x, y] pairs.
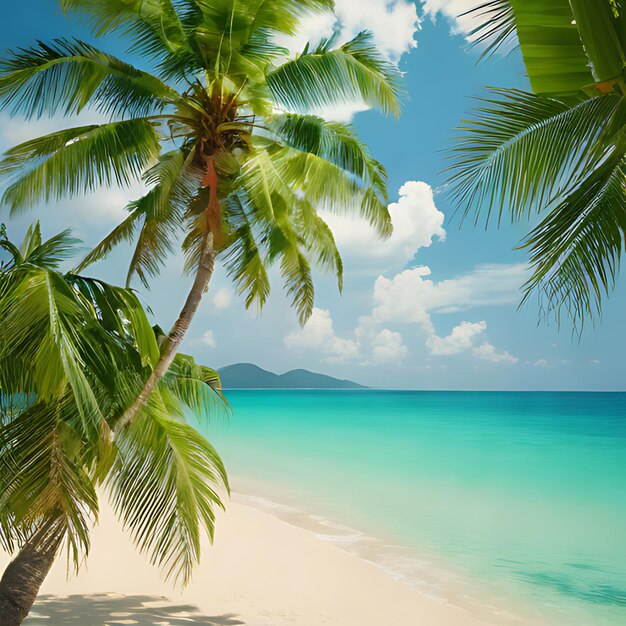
{"points": [[524, 492]]}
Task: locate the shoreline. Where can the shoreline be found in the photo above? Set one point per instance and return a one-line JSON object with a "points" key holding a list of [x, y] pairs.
{"points": [[263, 570], [425, 573]]}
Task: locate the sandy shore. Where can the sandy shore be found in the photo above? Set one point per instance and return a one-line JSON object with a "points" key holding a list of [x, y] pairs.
{"points": [[261, 571]]}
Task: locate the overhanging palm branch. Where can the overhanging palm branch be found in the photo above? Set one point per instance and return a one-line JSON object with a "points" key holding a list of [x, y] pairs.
{"points": [[81, 356], [558, 152]]}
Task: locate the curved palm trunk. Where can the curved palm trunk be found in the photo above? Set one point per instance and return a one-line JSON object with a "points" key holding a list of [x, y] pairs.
{"points": [[179, 329], [24, 576]]}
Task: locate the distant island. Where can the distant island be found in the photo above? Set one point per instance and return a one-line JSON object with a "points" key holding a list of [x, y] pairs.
{"points": [[249, 376]]}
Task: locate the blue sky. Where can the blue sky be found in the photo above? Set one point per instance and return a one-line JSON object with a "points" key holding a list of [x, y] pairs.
{"points": [[435, 307]]}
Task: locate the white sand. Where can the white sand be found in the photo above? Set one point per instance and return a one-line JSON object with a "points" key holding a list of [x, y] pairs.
{"points": [[261, 572]]}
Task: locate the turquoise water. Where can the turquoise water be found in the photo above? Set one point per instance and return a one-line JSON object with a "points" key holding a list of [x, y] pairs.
{"points": [[524, 492]]}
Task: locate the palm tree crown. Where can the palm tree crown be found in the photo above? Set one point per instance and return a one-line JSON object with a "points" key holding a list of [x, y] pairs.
{"points": [[209, 134]]}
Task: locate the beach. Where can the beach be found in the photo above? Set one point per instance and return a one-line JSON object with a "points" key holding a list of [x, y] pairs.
{"points": [[261, 571], [388, 509]]}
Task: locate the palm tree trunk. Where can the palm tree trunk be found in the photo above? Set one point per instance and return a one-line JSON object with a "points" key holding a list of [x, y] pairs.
{"points": [[24, 576], [170, 346]]}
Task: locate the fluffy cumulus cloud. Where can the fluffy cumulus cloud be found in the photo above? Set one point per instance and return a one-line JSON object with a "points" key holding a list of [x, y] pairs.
{"points": [[367, 345], [223, 298], [207, 339], [411, 297], [388, 347], [460, 339], [392, 22], [317, 331], [488, 352], [417, 223], [455, 11]]}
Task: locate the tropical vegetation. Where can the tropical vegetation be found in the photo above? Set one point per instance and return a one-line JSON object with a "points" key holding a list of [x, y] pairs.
{"points": [[223, 132], [74, 351], [555, 155]]}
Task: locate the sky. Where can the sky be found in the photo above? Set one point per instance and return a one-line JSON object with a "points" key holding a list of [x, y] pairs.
{"points": [[435, 306]]}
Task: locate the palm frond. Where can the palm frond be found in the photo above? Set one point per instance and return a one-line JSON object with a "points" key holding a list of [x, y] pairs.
{"points": [[118, 312], [576, 249], [335, 142], [521, 150], [165, 487], [318, 239], [154, 25], [355, 72], [549, 39], [175, 181], [123, 232], [69, 75], [75, 161], [42, 346], [495, 26], [242, 257], [196, 386], [287, 247], [43, 477], [52, 252]]}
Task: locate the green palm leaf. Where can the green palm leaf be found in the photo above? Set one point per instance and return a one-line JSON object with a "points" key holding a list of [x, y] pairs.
{"points": [[575, 250], [154, 25], [521, 150], [355, 72], [75, 161], [164, 487], [242, 256], [68, 76], [334, 142], [42, 475]]}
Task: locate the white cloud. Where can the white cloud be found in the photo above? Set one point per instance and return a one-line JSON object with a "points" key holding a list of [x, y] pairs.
{"points": [[341, 349], [540, 363], [317, 331], [392, 22], [416, 221], [388, 347], [594, 362], [410, 297], [460, 339], [223, 298], [207, 339], [453, 10], [488, 352], [369, 345]]}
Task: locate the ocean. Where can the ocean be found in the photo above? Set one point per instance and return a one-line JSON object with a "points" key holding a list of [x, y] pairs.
{"points": [[511, 502]]}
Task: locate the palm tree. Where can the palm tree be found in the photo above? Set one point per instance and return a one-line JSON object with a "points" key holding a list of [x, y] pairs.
{"points": [[73, 351], [222, 133], [558, 152]]}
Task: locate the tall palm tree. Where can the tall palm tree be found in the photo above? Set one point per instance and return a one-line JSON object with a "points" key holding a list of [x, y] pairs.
{"points": [[222, 133], [560, 151], [73, 351]]}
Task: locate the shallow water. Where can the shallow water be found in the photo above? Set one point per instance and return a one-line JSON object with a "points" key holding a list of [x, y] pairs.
{"points": [[523, 492]]}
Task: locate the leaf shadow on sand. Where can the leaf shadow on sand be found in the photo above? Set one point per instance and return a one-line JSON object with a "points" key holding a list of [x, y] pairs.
{"points": [[114, 610]]}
